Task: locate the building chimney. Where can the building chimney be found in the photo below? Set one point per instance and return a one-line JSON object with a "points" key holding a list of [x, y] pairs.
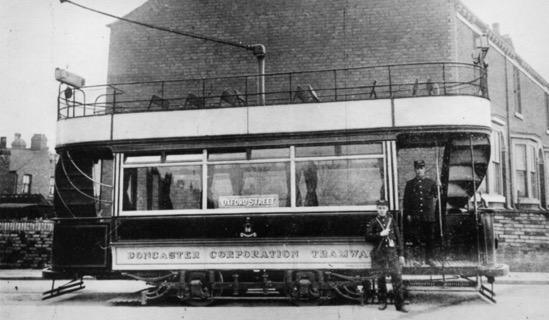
{"points": [[3, 143], [18, 143], [495, 28], [39, 142]]}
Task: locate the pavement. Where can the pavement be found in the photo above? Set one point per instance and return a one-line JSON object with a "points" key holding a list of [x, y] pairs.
{"points": [[528, 278]]}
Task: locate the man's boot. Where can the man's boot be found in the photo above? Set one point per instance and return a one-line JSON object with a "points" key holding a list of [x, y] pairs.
{"points": [[401, 309], [383, 304]]}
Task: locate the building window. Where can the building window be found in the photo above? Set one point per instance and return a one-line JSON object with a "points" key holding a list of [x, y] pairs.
{"points": [[13, 177], [52, 186], [526, 171], [27, 182], [533, 172], [493, 182], [495, 172], [516, 90]]}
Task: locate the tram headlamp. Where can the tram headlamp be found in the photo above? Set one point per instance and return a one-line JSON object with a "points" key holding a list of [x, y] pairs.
{"points": [[69, 78]]}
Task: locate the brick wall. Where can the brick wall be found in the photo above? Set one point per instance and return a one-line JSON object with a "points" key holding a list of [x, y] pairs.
{"points": [[298, 36], [25, 245], [523, 239]]}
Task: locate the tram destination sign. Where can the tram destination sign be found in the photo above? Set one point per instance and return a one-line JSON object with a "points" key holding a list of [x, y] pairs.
{"points": [[293, 256], [252, 201]]}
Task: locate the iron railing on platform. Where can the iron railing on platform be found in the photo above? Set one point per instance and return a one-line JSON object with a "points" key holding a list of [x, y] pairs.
{"points": [[366, 83]]}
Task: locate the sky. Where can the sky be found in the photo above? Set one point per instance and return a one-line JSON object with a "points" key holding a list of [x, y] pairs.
{"points": [[37, 36]]}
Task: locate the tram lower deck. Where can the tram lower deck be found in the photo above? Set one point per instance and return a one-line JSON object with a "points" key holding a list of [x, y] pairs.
{"points": [[289, 221]]}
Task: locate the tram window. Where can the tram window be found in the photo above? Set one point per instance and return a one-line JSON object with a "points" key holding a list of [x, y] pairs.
{"points": [[356, 149], [277, 153], [346, 182], [143, 159], [162, 188], [315, 151], [256, 185], [183, 157], [227, 156], [339, 150]]}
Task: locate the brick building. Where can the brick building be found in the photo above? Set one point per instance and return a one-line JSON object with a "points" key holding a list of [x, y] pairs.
{"points": [[26, 171], [26, 199]]}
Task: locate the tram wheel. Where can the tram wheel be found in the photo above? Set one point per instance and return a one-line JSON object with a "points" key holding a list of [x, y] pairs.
{"points": [[302, 302], [209, 293], [312, 295]]}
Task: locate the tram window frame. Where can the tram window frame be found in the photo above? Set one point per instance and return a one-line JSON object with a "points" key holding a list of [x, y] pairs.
{"points": [[143, 159], [284, 154], [163, 160]]}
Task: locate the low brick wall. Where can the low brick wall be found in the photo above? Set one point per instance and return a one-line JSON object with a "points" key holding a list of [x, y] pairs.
{"points": [[523, 239], [25, 245]]}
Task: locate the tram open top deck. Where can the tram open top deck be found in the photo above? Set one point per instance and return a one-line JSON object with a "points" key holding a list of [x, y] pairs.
{"points": [[393, 98]]}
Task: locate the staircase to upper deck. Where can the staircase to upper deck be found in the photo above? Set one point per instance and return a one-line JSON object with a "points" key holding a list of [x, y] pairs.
{"points": [[465, 165]]}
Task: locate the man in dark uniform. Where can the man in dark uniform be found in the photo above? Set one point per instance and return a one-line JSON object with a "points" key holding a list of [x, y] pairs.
{"points": [[387, 255], [420, 196]]}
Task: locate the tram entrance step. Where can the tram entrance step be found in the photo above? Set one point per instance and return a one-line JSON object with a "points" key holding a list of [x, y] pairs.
{"points": [[440, 283]]}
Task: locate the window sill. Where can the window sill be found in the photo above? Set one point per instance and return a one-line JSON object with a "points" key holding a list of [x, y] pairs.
{"points": [[528, 201], [518, 115], [493, 198]]}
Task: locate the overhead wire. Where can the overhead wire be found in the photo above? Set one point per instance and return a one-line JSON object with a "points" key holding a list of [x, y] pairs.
{"points": [[181, 33]]}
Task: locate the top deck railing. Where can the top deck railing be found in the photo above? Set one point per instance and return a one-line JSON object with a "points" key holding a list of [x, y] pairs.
{"points": [[368, 83]]}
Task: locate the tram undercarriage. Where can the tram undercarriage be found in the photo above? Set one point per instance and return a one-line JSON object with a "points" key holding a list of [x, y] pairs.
{"points": [[300, 287]]}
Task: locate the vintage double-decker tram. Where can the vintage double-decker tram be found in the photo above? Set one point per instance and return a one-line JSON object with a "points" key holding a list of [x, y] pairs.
{"points": [[221, 189]]}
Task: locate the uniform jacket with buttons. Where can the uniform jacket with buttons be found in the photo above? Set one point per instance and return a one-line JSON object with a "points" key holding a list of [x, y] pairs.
{"points": [[419, 199], [382, 243]]}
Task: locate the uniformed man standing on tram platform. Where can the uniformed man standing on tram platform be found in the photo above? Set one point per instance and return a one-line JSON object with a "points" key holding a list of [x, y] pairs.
{"points": [[419, 204], [387, 254]]}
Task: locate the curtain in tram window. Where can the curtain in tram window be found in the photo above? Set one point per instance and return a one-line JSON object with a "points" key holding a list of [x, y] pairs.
{"points": [[381, 177], [289, 185], [165, 202], [236, 174], [130, 189], [211, 174], [311, 182]]}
